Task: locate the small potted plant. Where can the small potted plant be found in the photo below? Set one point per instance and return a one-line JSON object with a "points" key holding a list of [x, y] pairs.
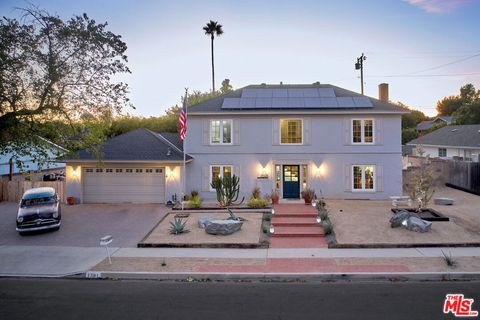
{"points": [[275, 196], [308, 195], [71, 201]]}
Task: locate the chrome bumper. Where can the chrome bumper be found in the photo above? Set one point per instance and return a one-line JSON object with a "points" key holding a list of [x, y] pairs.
{"points": [[50, 226]]}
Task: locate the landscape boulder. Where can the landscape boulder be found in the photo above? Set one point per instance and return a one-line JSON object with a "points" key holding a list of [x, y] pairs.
{"points": [[204, 221], [418, 225], [397, 219], [223, 227]]}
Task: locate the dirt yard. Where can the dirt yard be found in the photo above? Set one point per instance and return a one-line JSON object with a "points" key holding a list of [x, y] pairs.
{"points": [[366, 223], [247, 237]]}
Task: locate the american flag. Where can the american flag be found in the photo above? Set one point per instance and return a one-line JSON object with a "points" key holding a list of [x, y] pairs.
{"points": [[183, 119]]}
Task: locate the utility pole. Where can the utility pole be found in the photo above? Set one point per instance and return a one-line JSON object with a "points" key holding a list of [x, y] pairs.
{"points": [[359, 65]]}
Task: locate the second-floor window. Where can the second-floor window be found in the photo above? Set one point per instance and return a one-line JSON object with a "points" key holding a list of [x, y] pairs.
{"points": [[362, 131], [291, 131], [221, 131]]}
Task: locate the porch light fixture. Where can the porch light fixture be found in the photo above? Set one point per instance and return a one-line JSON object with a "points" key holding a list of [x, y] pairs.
{"points": [[272, 229], [263, 172], [170, 173], [75, 173]]}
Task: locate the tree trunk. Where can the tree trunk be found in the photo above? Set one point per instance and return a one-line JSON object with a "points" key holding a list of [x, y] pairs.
{"points": [[213, 69]]}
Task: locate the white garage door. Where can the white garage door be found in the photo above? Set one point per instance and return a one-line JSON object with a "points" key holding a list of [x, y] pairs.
{"points": [[116, 185]]}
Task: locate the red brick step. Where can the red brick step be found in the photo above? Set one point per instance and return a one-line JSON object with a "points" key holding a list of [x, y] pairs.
{"points": [[298, 231], [283, 221]]}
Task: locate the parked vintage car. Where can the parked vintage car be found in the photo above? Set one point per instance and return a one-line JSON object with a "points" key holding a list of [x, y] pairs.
{"points": [[39, 209]]}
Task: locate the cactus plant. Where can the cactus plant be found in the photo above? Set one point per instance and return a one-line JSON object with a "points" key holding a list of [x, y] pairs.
{"points": [[228, 189], [177, 226]]}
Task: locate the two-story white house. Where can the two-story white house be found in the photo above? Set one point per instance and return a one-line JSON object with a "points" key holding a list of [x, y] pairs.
{"points": [[279, 137]]}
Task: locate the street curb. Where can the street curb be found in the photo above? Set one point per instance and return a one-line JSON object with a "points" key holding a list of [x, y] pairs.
{"points": [[284, 277]]}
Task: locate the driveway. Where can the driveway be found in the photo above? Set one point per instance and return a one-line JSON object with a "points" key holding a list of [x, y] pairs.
{"points": [[84, 225]]}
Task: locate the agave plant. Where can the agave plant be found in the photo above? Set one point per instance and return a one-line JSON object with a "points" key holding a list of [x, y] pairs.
{"points": [[177, 226]]}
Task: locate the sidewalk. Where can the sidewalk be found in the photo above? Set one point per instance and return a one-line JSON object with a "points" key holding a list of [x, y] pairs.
{"points": [[180, 263]]}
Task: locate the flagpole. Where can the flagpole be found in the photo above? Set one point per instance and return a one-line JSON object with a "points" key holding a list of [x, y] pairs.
{"points": [[184, 152]]}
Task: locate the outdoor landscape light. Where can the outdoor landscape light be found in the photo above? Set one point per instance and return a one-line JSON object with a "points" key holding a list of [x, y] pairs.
{"points": [[273, 211], [319, 220], [314, 204], [272, 229]]}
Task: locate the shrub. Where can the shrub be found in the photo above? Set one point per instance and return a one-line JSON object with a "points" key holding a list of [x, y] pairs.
{"points": [[320, 204], [327, 227], [265, 229], [449, 260], [323, 214], [194, 193], [195, 202], [256, 192], [257, 203]]}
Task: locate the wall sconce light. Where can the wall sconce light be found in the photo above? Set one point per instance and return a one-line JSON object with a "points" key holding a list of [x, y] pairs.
{"points": [[75, 173], [321, 170], [170, 173], [263, 172]]}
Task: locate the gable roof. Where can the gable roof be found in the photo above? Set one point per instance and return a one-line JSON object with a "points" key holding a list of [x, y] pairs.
{"points": [[452, 136], [424, 125], [137, 145], [373, 105]]}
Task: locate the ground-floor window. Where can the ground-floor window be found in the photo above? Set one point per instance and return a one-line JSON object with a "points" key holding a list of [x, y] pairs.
{"points": [[363, 178], [220, 171], [442, 152]]}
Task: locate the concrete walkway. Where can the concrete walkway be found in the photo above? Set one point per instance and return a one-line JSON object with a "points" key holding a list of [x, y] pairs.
{"points": [[62, 261]]}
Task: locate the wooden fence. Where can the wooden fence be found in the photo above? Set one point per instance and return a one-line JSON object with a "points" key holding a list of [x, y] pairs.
{"points": [[13, 190], [465, 176]]}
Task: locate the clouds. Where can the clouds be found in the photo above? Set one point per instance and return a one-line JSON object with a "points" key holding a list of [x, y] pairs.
{"points": [[438, 6]]}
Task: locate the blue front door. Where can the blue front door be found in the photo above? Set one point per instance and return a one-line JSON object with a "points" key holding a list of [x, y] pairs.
{"points": [[291, 181]]}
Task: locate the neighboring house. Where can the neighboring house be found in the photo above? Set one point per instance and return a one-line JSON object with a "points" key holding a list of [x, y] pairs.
{"points": [[140, 166], [449, 142], [286, 137], [29, 164], [427, 124]]}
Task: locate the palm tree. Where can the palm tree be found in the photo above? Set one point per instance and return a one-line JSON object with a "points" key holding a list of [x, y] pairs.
{"points": [[213, 28]]}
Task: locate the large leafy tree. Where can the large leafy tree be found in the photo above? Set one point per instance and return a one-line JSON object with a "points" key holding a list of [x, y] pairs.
{"points": [[448, 105], [56, 70], [212, 29], [468, 114]]}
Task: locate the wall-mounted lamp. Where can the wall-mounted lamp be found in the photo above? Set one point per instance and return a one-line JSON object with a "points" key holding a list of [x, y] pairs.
{"points": [[263, 172], [75, 172], [321, 170], [170, 173]]}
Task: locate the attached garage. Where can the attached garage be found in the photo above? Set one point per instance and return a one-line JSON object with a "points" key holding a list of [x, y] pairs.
{"points": [[117, 185], [140, 166]]}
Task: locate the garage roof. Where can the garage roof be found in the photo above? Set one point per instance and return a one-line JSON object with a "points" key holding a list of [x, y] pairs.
{"points": [[137, 145]]}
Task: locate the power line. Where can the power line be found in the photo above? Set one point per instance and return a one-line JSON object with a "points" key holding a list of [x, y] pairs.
{"points": [[424, 75], [446, 64]]}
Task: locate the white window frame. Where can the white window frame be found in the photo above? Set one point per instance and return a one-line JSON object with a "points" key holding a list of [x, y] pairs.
{"points": [[221, 132], [363, 177], [222, 166], [280, 132], [362, 128]]}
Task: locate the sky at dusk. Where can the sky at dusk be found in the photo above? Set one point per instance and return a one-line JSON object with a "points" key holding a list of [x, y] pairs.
{"points": [[413, 45]]}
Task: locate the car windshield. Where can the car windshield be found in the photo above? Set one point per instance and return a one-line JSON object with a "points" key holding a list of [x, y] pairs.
{"points": [[38, 201]]}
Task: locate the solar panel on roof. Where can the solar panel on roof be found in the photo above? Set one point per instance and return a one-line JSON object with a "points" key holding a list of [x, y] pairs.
{"points": [[326, 92], [264, 93], [295, 93], [345, 102], [362, 102], [279, 102], [312, 102], [311, 93], [247, 102], [249, 93], [329, 102], [279, 93], [296, 102], [230, 103], [263, 103]]}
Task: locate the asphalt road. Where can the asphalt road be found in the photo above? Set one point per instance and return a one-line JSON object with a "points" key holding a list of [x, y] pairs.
{"points": [[105, 299]]}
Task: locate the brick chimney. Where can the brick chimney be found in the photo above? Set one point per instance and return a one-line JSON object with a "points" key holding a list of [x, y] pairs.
{"points": [[383, 92]]}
